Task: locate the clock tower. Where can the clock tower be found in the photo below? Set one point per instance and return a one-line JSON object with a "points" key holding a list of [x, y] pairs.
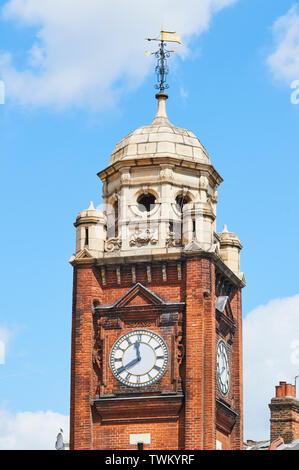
{"points": [[157, 313]]}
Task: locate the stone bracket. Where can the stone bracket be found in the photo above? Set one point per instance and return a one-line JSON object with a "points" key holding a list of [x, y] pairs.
{"points": [[150, 408]]}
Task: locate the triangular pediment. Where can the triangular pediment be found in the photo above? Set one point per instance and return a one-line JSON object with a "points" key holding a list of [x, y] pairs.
{"points": [[80, 257], [194, 245], [84, 254], [138, 295]]}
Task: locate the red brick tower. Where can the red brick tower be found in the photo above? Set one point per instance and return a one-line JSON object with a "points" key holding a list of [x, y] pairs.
{"points": [[157, 310]]}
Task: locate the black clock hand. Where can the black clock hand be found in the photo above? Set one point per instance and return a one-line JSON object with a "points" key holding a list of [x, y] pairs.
{"points": [[130, 364], [137, 346]]}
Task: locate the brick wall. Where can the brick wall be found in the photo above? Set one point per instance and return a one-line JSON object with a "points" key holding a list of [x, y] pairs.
{"points": [[194, 427], [285, 413]]}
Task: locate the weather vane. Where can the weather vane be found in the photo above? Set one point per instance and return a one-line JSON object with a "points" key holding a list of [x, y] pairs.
{"points": [[162, 55]]}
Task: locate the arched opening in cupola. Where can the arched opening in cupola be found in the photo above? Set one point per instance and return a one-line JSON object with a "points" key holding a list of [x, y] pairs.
{"points": [[146, 202]]}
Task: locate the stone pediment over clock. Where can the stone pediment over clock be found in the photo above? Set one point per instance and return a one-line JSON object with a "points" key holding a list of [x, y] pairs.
{"points": [[140, 304]]}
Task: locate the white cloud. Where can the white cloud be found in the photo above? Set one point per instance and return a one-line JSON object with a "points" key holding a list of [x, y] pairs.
{"points": [[31, 431], [271, 354], [184, 93], [5, 335], [284, 61], [87, 52]]}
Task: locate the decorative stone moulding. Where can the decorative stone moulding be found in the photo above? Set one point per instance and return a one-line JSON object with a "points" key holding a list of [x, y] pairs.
{"points": [[172, 241], [113, 244], [144, 215], [166, 174], [143, 237]]}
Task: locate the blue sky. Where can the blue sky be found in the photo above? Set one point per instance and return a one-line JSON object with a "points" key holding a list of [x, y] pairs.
{"points": [[230, 86]]}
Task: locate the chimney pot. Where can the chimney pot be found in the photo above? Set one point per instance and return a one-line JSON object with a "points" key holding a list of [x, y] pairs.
{"points": [[285, 390]]}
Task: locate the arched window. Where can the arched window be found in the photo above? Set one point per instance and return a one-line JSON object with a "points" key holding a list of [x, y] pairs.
{"points": [[181, 201], [112, 222], [115, 208], [146, 202]]}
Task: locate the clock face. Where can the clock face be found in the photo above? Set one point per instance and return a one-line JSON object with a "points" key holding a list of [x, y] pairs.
{"points": [[223, 369], [139, 358]]}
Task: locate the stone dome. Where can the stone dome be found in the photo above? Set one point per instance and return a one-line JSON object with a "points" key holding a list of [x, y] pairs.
{"points": [[89, 214], [160, 138]]}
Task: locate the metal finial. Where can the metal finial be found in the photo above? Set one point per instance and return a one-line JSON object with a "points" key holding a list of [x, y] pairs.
{"points": [[162, 54]]}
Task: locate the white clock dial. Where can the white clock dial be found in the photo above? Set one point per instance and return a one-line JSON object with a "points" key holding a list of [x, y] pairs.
{"points": [[223, 369], [139, 358]]}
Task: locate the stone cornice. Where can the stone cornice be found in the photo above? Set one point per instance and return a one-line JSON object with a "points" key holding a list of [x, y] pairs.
{"points": [[88, 220], [176, 255], [182, 162], [224, 243]]}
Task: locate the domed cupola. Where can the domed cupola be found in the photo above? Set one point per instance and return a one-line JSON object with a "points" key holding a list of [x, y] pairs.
{"points": [[160, 192], [160, 138]]}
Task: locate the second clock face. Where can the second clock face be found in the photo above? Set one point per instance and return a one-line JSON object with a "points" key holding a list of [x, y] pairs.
{"points": [[139, 358], [223, 369]]}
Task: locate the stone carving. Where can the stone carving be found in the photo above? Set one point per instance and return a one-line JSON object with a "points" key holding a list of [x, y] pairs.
{"points": [[140, 324], [142, 237], [214, 248], [97, 355], [113, 244], [125, 177], [180, 349], [203, 182], [166, 174], [173, 240]]}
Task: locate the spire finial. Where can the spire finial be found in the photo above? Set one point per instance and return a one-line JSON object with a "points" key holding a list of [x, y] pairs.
{"points": [[162, 55], [161, 115]]}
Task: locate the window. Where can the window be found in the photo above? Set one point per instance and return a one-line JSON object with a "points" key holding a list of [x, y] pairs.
{"points": [[86, 237], [175, 228], [146, 202], [181, 201], [112, 222], [115, 208]]}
